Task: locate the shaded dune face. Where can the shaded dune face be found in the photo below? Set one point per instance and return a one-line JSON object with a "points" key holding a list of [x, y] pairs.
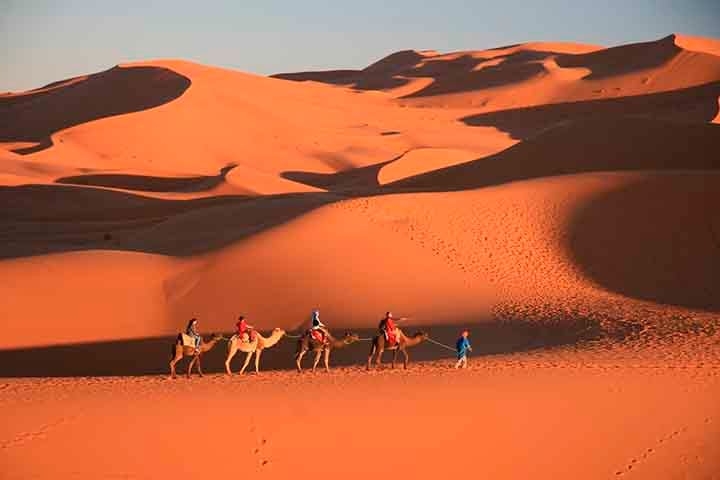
{"points": [[692, 105], [655, 239], [591, 146], [36, 116], [146, 183], [623, 59]]}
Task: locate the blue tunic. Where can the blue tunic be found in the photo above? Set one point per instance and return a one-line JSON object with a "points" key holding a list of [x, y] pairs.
{"points": [[462, 345]]}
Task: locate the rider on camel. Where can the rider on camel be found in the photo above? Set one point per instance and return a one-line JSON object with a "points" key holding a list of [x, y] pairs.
{"points": [[191, 331], [245, 332], [318, 326], [387, 327]]}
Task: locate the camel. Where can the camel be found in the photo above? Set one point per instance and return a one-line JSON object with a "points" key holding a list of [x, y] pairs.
{"points": [[256, 346], [179, 351], [306, 343], [402, 343]]}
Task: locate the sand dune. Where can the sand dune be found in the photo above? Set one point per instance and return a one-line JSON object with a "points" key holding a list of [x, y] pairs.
{"points": [[536, 73], [593, 145], [558, 199]]}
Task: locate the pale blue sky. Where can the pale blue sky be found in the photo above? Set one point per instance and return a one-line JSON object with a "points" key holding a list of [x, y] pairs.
{"points": [[44, 41]]}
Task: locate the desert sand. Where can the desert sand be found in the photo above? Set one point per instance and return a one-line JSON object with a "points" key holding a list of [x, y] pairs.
{"points": [[559, 200]]}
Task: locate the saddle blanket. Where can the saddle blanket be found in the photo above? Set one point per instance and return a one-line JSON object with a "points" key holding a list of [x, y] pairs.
{"points": [[187, 340], [317, 335]]}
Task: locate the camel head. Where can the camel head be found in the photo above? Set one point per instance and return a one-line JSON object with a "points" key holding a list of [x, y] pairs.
{"points": [[422, 335], [216, 336], [351, 337], [279, 331]]}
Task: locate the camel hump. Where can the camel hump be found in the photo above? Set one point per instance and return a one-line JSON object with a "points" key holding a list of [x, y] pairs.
{"points": [[186, 340]]}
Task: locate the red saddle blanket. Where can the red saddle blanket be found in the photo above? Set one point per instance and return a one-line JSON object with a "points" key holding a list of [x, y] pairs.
{"points": [[317, 335], [391, 338]]}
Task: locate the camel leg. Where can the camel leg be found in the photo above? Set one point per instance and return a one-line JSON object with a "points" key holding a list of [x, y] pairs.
{"points": [[394, 358], [378, 360], [199, 365], [327, 360], [370, 357], [407, 357], [231, 354], [298, 360], [247, 362], [175, 359], [192, 363], [317, 359], [257, 360]]}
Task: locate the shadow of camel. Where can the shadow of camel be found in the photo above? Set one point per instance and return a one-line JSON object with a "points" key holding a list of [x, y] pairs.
{"points": [[150, 356], [142, 183], [35, 116], [655, 239]]}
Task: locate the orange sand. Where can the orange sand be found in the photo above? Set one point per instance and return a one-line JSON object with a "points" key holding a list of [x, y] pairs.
{"points": [[566, 193]]}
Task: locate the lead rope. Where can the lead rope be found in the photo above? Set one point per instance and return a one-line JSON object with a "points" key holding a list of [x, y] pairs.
{"points": [[447, 347]]}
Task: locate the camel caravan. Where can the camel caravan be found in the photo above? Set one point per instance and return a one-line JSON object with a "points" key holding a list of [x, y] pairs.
{"points": [[316, 339]]}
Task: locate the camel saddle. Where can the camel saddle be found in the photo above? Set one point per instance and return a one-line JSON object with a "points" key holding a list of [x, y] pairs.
{"points": [[247, 337], [317, 335], [187, 340]]}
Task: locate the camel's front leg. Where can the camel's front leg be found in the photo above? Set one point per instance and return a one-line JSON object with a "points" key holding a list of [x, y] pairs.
{"points": [[199, 365], [231, 354], [370, 357], [326, 358], [394, 358], [247, 362], [192, 363], [407, 357], [317, 359], [378, 361], [298, 360], [257, 360]]}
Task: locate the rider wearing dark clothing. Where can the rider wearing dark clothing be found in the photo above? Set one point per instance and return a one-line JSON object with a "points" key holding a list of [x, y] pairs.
{"points": [[191, 330]]}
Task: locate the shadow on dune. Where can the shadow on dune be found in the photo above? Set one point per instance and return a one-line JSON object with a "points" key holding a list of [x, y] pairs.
{"points": [[332, 77], [349, 181], [450, 75], [460, 74], [39, 219], [35, 116], [621, 144], [695, 104], [150, 356], [144, 183], [623, 59], [657, 239]]}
